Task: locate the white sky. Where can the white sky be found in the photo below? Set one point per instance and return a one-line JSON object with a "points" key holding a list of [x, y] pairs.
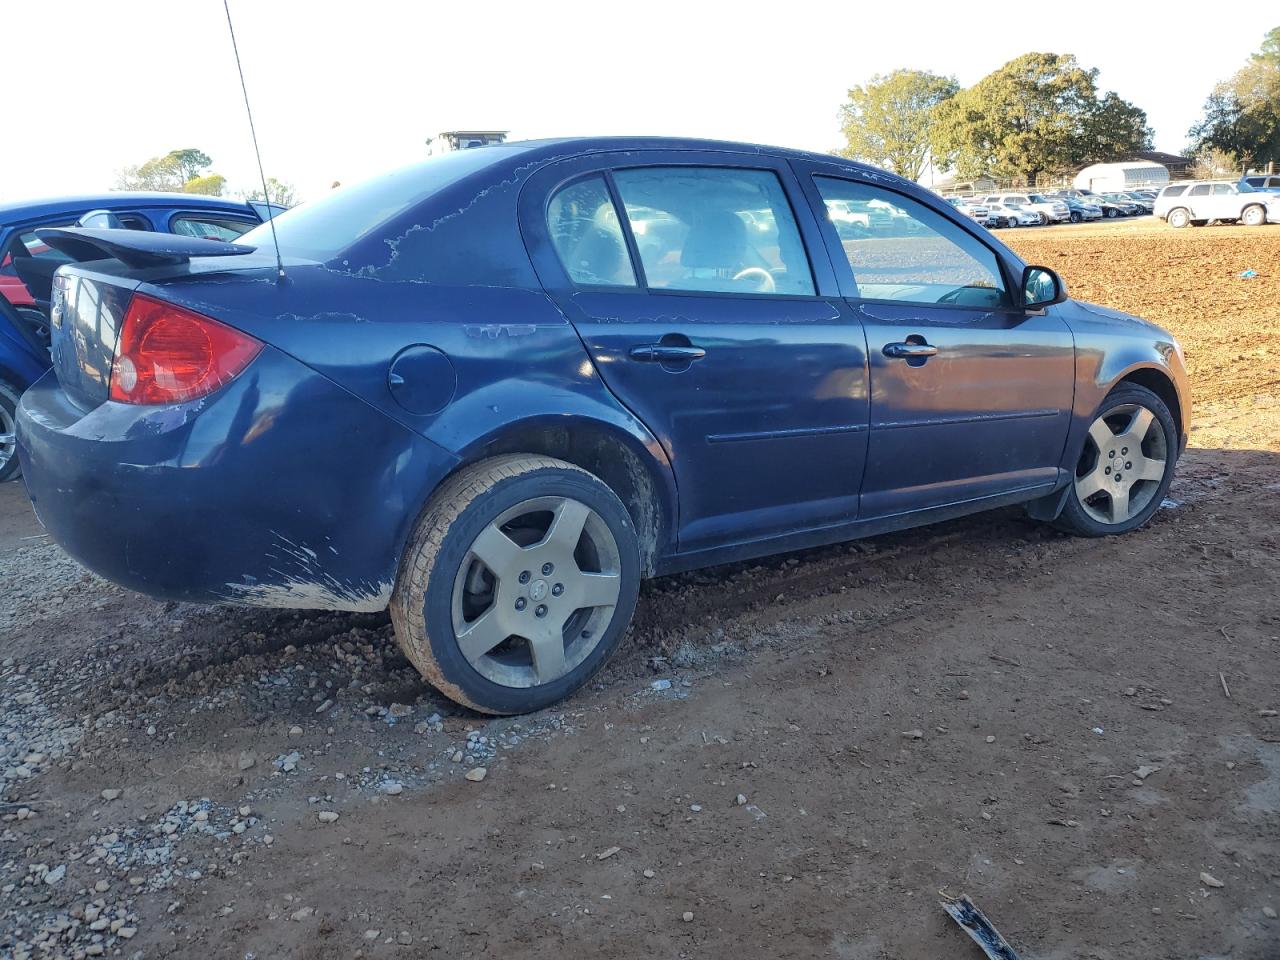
{"points": [[344, 89]]}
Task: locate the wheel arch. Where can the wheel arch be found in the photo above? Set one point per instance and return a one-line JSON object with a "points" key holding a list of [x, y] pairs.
{"points": [[634, 467], [1159, 382]]}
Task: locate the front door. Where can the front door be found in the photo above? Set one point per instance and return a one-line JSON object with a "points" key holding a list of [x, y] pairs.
{"points": [[704, 315], [970, 397]]}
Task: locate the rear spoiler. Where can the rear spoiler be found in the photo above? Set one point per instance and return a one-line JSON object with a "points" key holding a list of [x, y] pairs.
{"points": [[135, 248]]}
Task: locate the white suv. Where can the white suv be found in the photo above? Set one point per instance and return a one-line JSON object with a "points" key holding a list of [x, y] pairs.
{"points": [[1050, 210], [1200, 201]]}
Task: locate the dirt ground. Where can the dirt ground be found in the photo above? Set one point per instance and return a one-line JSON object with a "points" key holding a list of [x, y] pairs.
{"points": [[789, 759]]}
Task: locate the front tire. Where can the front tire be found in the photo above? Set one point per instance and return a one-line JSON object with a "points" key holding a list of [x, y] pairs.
{"points": [[1125, 466], [1253, 216], [10, 468], [517, 584], [1076, 216]]}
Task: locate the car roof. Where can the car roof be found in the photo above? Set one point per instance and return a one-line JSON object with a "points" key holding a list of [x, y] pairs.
{"points": [[554, 148], [115, 200]]}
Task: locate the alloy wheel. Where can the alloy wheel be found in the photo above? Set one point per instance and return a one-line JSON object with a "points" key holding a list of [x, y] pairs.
{"points": [[1122, 465], [536, 592]]}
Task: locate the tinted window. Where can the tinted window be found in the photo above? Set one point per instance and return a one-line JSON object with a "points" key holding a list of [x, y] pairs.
{"points": [[1174, 191], [586, 233], [1221, 189], [1199, 190], [713, 229], [322, 229], [907, 252], [210, 228]]}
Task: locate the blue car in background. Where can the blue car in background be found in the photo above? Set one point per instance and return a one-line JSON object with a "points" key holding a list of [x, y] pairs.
{"points": [[24, 357], [495, 390], [27, 265]]}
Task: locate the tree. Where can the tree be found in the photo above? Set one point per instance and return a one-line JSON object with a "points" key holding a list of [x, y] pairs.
{"points": [[178, 171], [278, 191], [210, 185], [887, 121], [1242, 115], [1039, 113]]}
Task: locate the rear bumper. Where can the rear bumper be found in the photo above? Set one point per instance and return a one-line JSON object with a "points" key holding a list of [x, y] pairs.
{"points": [[280, 490]]}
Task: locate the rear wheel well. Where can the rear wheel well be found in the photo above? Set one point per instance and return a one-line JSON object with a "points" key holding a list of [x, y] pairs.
{"points": [[600, 452], [1159, 384]]}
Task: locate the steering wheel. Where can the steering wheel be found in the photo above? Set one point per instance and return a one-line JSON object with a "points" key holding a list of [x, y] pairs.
{"points": [[765, 278]]}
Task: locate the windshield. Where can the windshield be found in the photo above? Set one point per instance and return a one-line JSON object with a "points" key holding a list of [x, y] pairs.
{"points": [[324, 228]]}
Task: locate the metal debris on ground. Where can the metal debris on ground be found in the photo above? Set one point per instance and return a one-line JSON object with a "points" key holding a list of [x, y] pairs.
{"points": [[977, 926]]}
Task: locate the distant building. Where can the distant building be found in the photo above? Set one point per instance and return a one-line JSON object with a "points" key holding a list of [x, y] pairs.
{"points": [[1127, 175], [1179, 167], [451, 140]]}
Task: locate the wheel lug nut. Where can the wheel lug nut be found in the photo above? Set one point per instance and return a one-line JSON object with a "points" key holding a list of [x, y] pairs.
{"points": [[524, 576], [541, 610], [547, 568], [1128, 466], [557, 589], [521, 603], [1108, 470], [1124, 449], [1111, 453]]}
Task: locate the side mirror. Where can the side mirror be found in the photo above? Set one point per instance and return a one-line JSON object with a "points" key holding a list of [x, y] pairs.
{"points": [[101, 219], [1041, 288]]}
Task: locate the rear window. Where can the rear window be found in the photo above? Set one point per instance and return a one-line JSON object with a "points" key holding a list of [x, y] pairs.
{"points": [[210, 228], [1175, 191], [322, 229]]}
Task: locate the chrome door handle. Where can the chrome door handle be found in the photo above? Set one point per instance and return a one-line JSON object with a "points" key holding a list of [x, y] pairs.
{"points": [[665, 353], [906, 351]]}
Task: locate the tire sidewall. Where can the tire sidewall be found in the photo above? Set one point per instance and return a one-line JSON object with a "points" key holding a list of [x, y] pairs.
{"points": [[9, 400], [1253, 210], [1074, 515], [438, 599]]}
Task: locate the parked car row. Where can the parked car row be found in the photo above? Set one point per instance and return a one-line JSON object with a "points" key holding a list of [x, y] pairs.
{"points": [[1041, 209]]}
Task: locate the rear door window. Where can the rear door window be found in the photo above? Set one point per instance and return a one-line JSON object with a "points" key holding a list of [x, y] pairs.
{"points": [[714, 230]]}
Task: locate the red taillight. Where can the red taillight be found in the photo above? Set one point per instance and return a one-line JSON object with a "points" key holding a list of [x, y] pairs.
{"points": [[168, 354]]}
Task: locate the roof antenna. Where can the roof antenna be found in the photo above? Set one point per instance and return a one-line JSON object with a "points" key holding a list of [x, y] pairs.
{"points": [[266, 196]]}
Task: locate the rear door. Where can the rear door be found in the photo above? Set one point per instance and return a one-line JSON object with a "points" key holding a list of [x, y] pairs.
{"points": [[970, 397], [689, 277], [1199, 200]]}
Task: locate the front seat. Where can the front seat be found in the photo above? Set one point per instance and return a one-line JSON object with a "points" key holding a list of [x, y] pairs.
{"points": [[714, 250]]}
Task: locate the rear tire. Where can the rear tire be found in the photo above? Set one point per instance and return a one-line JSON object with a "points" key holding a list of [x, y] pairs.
{"points": [[1178, 217], [1125, 465], [10, 468], [517, 584], [1076, 216]]}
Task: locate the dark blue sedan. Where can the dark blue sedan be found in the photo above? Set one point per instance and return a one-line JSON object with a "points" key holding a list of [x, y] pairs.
{"points": [[496, 389]]}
